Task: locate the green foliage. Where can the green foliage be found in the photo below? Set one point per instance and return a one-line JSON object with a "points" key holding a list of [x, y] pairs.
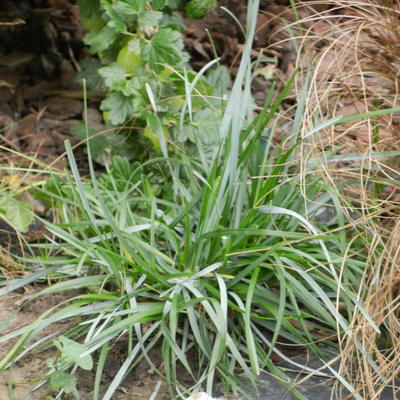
{"points": [[61, 380], [216, 265], [140, 45], [198, 8], [104, 147], [74, 352], [16, 213], [214, 253]]}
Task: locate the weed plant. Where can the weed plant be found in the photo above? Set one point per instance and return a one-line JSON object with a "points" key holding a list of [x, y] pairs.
{"points": [[220, 268]]}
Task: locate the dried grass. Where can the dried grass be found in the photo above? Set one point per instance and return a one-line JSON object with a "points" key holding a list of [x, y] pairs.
{"points": [[354, 48], [382, 302]]}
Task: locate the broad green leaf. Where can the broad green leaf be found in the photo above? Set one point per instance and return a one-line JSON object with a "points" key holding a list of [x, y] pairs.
{"points": [[61, 380], [116, 21], [220, 79], [16, 213], [89, 72], [173, 4], [205, 127], [73, 352], [166, 46], [88, 7], [158, 4], [97, 144], [101, 39], [149, 19], [134, 46], [112, 73], [137, 5], [125, 10], [120, 107]]}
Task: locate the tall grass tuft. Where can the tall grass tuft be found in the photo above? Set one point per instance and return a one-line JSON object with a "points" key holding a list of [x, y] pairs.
{"points": [[218, 258]]}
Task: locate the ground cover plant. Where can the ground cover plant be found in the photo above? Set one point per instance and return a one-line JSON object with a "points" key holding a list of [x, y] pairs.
{"points": [[218, 252], [141, 47]]}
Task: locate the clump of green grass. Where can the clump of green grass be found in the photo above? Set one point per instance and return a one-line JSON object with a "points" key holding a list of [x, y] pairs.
{"points": [[217, 266]]}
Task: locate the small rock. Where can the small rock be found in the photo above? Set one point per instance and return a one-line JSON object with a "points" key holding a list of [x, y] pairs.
{"points": [[201, 396]]}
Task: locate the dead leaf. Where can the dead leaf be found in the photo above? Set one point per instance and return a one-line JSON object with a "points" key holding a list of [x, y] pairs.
{"points": [[27, 126], [64, 108]]}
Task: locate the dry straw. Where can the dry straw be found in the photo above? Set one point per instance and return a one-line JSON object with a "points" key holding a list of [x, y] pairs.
{"points": [[351, 54]]}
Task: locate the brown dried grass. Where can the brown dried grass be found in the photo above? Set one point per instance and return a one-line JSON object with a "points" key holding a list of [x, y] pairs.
{"points": [[354, 48], [382, 303]]}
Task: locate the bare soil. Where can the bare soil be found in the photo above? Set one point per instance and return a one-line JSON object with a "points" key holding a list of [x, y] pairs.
{"points": [[24, 375]]}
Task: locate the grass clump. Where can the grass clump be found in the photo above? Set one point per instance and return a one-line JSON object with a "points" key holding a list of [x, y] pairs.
{"points": [[218, 256]]}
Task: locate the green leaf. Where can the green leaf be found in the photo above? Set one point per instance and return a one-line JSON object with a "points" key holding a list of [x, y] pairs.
{"points": [[89, 72], [97, 144], [172, 4], [158, 4], [16, 213], [134, 46], [119, 105], [112, 73], [173, 21], [116, 21], [124, 10], [149, 19], [220, 79], [137, 5], [73, 352], [61, 380], [103, 147], [199, 8], [100, 40], [88, 8], [205, 127], [166, 46]]}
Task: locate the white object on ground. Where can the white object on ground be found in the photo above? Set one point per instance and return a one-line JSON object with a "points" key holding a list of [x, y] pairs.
{"points": [[202, 396]]}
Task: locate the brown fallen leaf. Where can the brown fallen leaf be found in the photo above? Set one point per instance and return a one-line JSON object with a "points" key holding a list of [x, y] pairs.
{"points": [[64, 108]]}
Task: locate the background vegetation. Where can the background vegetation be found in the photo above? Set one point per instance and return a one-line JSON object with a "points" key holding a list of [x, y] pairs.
{"points": [[209, 235]]}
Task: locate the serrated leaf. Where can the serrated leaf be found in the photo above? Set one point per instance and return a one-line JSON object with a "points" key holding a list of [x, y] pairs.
{"points": [[112, 73], [173, 21], [100, 40], [199, 8], [134, 46], [172, 4], [205, 126], [89, 72], [87, 8], [220, 79], [149, 19], [116, 21], [125, 9], [61, 380], [120, 107], [166, 46], [17, 214], [97, 143], [138, 5], [73, 352], [158, 4]]}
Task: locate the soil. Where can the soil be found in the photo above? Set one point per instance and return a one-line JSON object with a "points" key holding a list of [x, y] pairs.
{"points": [[139, 385]]}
